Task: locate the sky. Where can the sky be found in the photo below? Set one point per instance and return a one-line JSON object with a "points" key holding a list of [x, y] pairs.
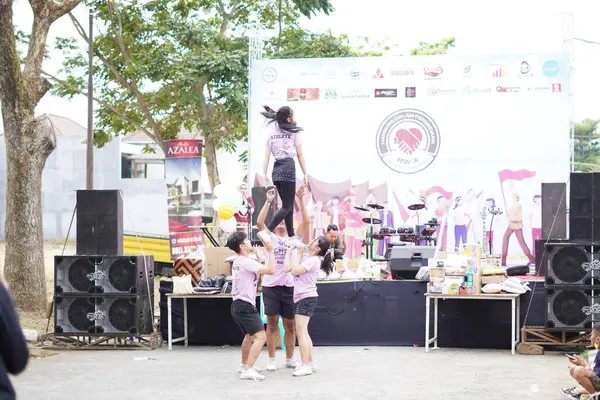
{"points": [[507, 26]]}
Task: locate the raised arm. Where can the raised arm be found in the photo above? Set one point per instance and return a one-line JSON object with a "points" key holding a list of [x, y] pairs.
{"points": [[266, 163], [262, 216], [269, 267], [303, 226], [293, 265]]}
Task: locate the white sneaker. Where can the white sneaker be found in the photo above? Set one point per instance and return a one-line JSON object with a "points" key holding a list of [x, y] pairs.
{"points": [[272, 365], [292, 363], [264, 236], [293, 241], [251, 375], [242, 368], [303, 370], [314, 367]]}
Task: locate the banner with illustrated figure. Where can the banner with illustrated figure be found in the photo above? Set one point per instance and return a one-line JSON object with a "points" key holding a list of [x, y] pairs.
{"points": [[457, 135], [183, 161]]}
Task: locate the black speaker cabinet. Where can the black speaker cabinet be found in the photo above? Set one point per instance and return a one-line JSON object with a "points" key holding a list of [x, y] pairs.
{"points": [[572, 264], [572, 308], [541, 256], [99, 222], [103, 275], [97, 316], [554, 210]]}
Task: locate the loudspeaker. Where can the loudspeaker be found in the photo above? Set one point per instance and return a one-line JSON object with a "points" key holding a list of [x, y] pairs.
{"points": [[572, 308], [103, 275], [99, 316], [259, 196], [554, 210], [541, 257], [572, 264], [581, 210], [99, 222]]}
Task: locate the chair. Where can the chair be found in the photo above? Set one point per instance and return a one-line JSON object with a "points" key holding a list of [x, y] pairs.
{"points": [[263, 317]]}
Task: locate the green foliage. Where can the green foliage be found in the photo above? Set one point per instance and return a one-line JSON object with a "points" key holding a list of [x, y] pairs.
{"points": [[587, 145], [428, 49]]}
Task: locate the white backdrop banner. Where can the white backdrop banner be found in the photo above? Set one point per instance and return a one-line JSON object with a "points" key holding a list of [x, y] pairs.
{"points": [[454, 133]]}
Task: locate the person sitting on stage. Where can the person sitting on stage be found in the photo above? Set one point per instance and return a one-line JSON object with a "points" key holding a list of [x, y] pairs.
{"points": [[586, 375], [305, 293], [245, 273], [333, 237], [278, 289]]}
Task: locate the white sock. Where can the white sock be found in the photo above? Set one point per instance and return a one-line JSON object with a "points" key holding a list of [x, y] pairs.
{"points": [[272, 359]]}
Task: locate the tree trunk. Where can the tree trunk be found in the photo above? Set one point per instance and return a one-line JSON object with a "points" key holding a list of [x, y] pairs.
{"points": [[27, 149], [210, 155]]}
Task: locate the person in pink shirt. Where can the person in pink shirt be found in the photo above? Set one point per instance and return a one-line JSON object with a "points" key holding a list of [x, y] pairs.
{"points": [[245, 272], [320, 255], [278, 289], [284, 143]]}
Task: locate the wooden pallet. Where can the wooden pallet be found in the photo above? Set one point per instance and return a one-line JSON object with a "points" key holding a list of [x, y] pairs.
{"points": [[540, 336], [82, 342]]}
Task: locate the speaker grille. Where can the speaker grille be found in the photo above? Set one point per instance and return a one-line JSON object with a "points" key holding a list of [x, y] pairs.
{"points": [[572, 308]]}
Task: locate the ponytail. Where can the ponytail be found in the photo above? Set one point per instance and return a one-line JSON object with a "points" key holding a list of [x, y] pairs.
{"points": [[328, 261], [281, 117]]}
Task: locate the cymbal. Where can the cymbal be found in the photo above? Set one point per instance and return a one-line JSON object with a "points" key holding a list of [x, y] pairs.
{"points": [[375, 206], [361, 208], [415, 207], [372, 221]]}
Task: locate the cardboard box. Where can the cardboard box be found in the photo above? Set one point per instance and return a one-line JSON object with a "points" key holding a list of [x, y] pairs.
{"points": [[491, 279], [215, 261]]}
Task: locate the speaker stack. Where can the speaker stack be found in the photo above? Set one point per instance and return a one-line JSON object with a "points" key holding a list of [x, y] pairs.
{"points": [[100, 291], [573, 276]]}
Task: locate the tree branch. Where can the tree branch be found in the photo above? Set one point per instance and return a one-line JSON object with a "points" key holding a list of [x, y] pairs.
{"points": [[103, 103], [60, 9], [126, 85]]}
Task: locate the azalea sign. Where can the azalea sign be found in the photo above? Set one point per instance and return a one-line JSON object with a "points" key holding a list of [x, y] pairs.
{"points": [[183, 161]]}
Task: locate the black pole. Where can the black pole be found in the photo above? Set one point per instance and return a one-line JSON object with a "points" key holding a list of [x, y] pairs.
{"points": [[90, 133]]}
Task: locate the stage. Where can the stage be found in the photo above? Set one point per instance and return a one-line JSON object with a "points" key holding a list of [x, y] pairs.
{"points": [[369, 313]]}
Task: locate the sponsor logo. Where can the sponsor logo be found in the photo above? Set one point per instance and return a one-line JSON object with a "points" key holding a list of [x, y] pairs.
{"points": [[538, 89], [183, 148], [332, 73], [309, 73], [525, 71], [506, 89], [408, 141], [355, 94], [433, 72], [402, 72], [550, 69], [303, 94], [331, 94], [272, 95], [556, 87], [410, 91], [500, 71], [466, 71], [378, 74], [386, 93], [474, 90], [355, 73], [440, 92], [269, 75]]}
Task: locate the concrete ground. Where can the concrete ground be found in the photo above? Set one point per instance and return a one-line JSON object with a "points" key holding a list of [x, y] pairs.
{"points": [[346, 373]]}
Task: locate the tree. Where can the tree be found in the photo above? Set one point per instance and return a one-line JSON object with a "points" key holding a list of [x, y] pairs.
{"points": [[29, 141], [163, 66], [587, 147]]}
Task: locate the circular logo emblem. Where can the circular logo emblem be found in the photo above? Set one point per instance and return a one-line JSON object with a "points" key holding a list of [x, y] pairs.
{"points": [[408, 140], [550, 69], [269, 75]]}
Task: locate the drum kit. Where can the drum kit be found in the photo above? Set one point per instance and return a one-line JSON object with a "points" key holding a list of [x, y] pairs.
{"points": [[407, 234]]}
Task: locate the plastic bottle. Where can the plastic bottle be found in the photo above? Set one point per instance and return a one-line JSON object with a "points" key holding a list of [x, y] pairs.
{"points": [[470, 278]]}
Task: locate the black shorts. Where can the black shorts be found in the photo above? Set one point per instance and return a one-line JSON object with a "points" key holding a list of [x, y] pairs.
{"points": [[246, 316], [279, 300], [306, 306]]}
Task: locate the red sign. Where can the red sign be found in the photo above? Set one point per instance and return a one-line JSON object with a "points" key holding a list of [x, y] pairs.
{"points": [[183, 148]]}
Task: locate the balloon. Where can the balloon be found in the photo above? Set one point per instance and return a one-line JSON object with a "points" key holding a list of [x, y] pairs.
{"points": [[226, 212], [217, 203], [228, 225], [218, 191], [234, 199]]}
